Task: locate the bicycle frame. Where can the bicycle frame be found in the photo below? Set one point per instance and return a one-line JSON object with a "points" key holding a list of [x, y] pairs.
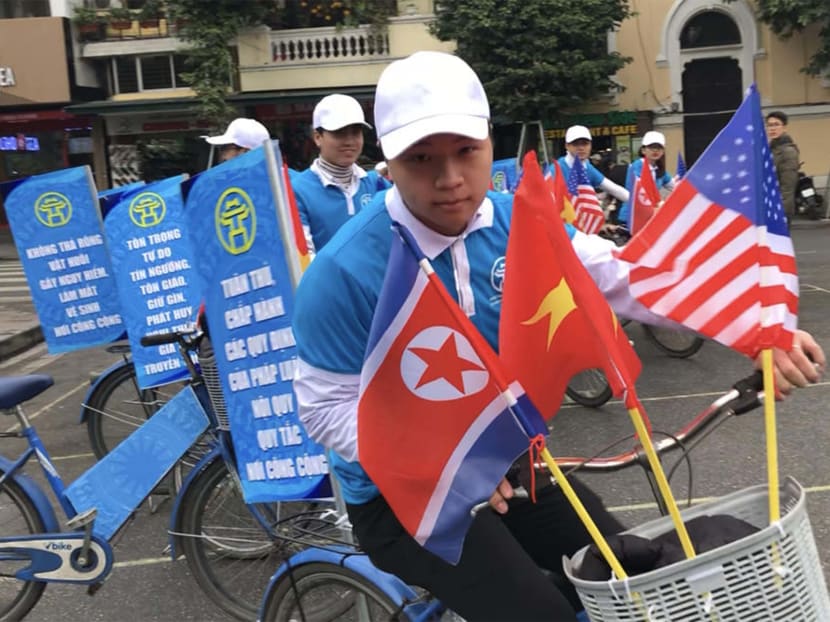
{"points": [[56, 556]]}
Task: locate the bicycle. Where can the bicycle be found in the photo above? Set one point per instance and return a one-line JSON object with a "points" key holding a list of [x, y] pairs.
{"points": [[34, 550], [114, 405], [229, 545], [332, 580]]}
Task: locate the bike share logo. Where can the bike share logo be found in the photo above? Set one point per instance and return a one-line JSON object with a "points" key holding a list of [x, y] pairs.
{"points": [[53, 209], [147, 209], [439, 365], [497, 280], [235, 220]]}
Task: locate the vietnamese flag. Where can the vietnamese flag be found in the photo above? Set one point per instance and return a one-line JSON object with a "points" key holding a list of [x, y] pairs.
{"points": [[559, 191], [554, 320], [644, 199]]}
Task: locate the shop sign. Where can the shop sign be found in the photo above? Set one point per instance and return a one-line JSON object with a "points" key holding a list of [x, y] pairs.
{"points": [[602, 130], [614, 123], [6, 76]]}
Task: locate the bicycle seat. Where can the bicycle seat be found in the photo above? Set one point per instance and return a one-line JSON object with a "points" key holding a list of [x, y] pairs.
{"points": [[15, 390]]}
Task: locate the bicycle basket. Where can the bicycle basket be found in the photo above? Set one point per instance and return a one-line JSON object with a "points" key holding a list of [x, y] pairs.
{"points": [[772, 575], [210, 374]]}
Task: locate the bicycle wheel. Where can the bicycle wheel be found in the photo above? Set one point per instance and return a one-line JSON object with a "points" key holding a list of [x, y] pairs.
{"points": [[117, 407], [589, 388], [18, 517], [230, 553], [320, 592], [678, 344]]}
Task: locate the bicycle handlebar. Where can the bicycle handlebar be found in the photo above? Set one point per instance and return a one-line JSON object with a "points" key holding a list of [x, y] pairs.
{"points": [[744, 396]]}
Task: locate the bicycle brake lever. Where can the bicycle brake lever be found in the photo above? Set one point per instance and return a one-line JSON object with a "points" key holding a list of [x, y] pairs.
{"points": [[748, 389]]}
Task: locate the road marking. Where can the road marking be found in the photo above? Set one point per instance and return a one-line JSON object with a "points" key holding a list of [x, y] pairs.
{"points": [[147, 561], [36, 363], [72, 457], [651, 505]]}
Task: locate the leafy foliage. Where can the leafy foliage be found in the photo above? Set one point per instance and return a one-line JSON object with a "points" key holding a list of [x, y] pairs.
{"points": [[785, 17], [209, 28], [535, 57]]}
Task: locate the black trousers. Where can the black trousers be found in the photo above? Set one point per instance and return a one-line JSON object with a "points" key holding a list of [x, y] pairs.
{"points": [[499, 575]]}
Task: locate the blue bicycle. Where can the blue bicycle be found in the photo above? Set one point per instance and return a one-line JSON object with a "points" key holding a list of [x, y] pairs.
{"points": [[34, 550]]}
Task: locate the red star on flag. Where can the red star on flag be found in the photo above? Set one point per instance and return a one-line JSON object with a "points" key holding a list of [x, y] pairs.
{"points": [[444, 363]]}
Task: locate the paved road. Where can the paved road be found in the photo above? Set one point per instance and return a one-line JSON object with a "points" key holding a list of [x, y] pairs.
{"points": [[145, 586]]}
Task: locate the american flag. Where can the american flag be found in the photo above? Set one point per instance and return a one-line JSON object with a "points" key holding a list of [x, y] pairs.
{"points": [[681, 166], [717, 257], [589, 216]]}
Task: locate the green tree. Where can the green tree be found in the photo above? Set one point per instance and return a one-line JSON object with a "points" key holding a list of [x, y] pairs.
{"points": [[536, 58], [209, 29], [786, 17]]}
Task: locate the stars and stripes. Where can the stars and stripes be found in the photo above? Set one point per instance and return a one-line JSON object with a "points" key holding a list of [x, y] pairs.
{"points": [[717, 257], [589, 216]]}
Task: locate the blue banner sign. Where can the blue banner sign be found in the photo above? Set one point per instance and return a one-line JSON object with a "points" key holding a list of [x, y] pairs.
{"points": [[151, 256], [56, 226], [234, 226]]}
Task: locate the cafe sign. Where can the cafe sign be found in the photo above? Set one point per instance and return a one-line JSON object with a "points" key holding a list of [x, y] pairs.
{"points": [[6, 76]]}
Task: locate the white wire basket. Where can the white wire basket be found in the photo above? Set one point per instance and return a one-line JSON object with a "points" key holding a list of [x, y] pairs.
{"points": [[773, 575]]}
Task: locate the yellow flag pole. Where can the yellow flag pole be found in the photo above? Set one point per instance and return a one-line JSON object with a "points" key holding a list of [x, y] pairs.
{"points": [[771, 435], [662, 482], [586, 519]]}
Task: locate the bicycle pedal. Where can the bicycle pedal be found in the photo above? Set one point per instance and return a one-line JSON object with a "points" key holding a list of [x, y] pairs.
{"points": [[82, 519]]}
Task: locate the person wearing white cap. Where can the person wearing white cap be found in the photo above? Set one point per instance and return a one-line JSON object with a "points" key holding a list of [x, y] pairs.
{"points": [[240, 136], [433, 123], [653, 150], [578, 145], [334, 188]]}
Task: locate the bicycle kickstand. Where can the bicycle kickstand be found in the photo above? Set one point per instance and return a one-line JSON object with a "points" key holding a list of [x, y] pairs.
{"points": [[84, 520]]}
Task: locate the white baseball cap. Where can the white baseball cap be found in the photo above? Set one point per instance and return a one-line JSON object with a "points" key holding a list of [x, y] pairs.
{"points": [[334, 112], [654, 138], [576, 132], [428, 93], [247, 133]]}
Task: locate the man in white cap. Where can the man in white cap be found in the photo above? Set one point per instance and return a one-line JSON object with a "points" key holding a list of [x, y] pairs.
{"points": [[334, 188], [433, 123], [578, 145], [241, 135]]}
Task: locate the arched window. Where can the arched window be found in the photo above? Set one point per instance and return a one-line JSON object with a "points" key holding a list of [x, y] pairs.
{"points": [[708, 29]]}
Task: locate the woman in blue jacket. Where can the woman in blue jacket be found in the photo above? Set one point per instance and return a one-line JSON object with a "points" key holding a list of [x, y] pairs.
{"points": [[653, 149]]}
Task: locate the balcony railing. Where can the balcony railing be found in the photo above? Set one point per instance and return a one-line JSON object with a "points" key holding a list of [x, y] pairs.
{"points": [[330, 45]]}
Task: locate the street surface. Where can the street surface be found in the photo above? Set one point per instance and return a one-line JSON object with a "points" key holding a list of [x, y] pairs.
{"points": [[146, 585]]}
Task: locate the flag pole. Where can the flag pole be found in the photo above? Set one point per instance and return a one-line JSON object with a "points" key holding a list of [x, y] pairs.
{"points": [[660, 476], [771, 435], [582, 513]]}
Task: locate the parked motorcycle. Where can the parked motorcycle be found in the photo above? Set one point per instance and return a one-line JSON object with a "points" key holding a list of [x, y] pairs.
{"points": [[808, 202]]}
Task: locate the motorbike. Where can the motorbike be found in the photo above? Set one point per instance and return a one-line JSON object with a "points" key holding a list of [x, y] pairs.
{"points": [[808, 202]]}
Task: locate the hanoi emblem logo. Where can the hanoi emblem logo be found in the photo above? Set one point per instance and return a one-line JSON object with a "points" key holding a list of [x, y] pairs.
{"points": [[235, 220], [53, 209], [147, 209]]}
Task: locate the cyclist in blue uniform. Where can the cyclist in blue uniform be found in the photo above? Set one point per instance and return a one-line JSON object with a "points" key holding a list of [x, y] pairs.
{"points": [[578, 145], [334, 188], [433, 117], [654, 150]]}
